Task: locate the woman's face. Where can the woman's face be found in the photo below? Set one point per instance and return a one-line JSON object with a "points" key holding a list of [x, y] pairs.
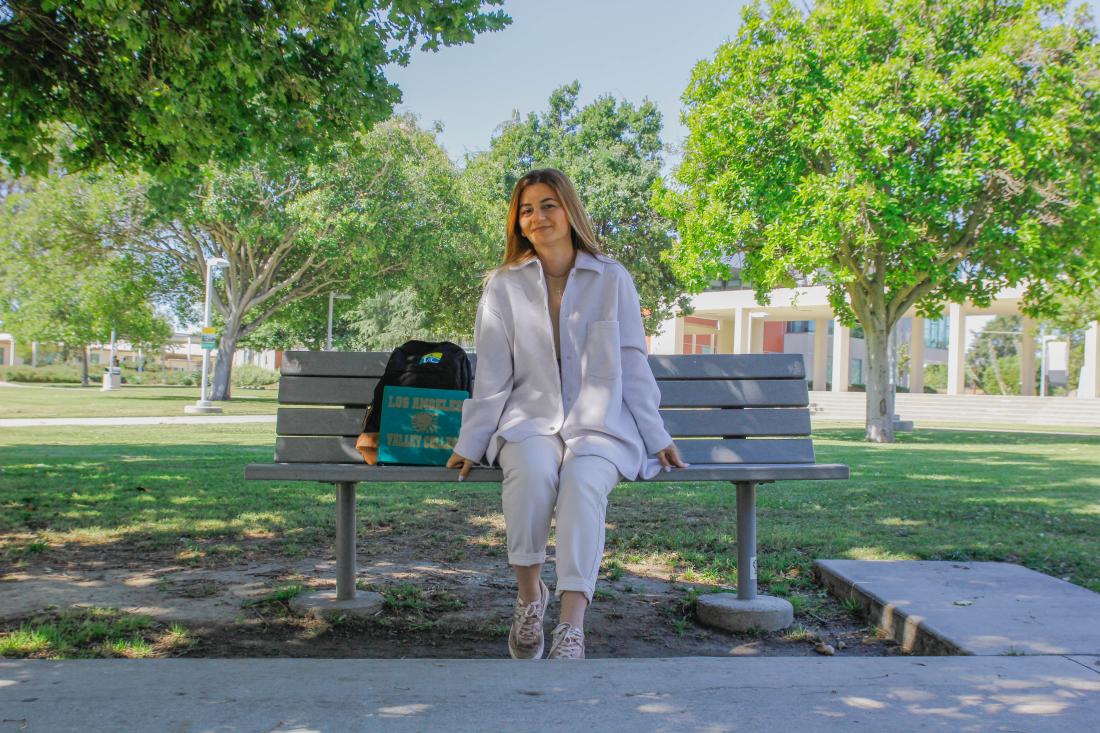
{"points": [[542, 218]]}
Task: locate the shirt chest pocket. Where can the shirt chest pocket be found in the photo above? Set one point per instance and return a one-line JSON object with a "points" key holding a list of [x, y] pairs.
{"points": [[602, 358]]}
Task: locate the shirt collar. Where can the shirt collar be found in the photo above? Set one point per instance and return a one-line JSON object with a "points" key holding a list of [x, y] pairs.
{"points": [[584, 261]]}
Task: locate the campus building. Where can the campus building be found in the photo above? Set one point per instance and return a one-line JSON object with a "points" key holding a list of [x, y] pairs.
{"points": [[727, 319]]}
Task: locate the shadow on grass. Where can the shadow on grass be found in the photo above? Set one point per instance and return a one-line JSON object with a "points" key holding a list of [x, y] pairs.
{"points": [[1033, 499]]}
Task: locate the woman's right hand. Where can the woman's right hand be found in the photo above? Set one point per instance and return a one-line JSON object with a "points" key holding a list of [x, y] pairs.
{"points": [[462, 464]]}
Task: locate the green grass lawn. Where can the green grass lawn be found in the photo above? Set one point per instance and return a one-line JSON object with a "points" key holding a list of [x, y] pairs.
{"points": [[39, 401], [935, 494]]}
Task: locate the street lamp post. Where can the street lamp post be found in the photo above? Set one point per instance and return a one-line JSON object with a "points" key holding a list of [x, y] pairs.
{"points": [[331, 297], [204, 405]]}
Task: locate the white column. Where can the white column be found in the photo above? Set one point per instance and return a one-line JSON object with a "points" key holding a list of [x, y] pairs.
{"points": [[842, 354], [742, 331], [956, 349], [1027, 358], [916, 356], [756, 329], [821, 353], [1090, 372]]}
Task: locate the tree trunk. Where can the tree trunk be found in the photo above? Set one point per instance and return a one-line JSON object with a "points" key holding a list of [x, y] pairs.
{"points": [[880, 380], [222, 386], [84, 372]]}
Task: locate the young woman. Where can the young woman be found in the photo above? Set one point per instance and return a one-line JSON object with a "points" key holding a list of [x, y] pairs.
{"points": [[563, 398]]}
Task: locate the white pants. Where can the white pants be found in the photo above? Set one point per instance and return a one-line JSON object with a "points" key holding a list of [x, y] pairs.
{"points": [[540, 476]]}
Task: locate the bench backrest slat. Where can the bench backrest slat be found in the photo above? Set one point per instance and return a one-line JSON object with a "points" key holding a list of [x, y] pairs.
{"points": [[766, 450], [679, 423], [721, 408]]}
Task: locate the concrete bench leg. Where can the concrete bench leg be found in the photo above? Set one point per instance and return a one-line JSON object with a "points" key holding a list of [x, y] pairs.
{"points": [[346, 600], [748, 610]]}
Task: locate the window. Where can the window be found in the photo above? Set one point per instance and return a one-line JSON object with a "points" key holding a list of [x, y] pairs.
{"points": [[699, 343], [800, 327], [935, 333], [857, 371]]}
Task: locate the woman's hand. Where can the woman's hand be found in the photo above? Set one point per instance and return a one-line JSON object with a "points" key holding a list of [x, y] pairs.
{"points": [[462, 464], [670, 457]]}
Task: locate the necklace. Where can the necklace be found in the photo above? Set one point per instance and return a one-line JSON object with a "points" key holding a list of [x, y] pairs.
{"points": [[556, 284]]}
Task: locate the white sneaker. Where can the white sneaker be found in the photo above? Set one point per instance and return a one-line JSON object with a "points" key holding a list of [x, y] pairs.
{"points": [[568, 642], [526, 639]]}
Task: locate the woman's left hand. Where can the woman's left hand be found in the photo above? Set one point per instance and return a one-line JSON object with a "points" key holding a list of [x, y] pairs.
{"points": [[670, 457]]}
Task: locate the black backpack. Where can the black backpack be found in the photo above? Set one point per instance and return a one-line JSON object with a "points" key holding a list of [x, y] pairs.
{"points": [[426, 364]]}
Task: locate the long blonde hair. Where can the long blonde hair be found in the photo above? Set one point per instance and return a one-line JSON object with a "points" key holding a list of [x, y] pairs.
{"points": [[518, 248]]}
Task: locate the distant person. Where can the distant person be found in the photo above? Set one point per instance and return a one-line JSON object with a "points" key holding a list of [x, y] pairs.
{"points": [[563, 397]]}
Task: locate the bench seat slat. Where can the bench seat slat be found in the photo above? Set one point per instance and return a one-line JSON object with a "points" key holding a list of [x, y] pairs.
{"points": [[733, 451], [335, 473]]}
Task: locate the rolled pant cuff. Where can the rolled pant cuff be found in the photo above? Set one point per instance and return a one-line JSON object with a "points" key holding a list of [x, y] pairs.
{"points": [[524, 559], [577, 585]]}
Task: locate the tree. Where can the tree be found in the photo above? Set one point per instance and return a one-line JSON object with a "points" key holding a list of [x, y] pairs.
{"points": [[902, 154], [63, 277], [611, 151], [360, 223], [168, 85]]}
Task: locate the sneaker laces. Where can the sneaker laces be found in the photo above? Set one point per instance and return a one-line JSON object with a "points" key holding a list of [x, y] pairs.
{"points": [[527, 621], [568, 641]]}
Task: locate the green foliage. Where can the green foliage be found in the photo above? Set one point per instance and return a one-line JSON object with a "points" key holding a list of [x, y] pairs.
{"points": [[52, 374], [172, 84], [376, 214], [64, 275], [935, 378], [250, 375], [611, 150], [389, 319], [900, 153]]}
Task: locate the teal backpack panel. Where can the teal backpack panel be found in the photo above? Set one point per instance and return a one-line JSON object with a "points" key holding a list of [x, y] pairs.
{"points": [[419, 426]]}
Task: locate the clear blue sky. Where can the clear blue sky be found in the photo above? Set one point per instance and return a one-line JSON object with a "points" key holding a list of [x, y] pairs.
{"points": [[632, 49]]}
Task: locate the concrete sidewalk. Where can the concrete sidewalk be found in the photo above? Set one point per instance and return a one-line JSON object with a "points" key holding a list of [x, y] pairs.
{"points": [[33, 422], [896, 694]]}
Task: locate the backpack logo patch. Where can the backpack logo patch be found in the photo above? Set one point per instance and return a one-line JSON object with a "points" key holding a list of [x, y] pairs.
{"points": [[433, 358]]}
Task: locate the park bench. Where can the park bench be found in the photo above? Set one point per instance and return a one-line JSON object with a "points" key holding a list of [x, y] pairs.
{"points": [[742, 419]]}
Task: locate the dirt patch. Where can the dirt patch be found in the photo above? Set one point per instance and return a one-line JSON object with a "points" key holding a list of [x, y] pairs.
{"points": [[458, 609]]}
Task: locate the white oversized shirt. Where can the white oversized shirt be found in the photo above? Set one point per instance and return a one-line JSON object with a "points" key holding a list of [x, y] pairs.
{"points": [[605, 401]]}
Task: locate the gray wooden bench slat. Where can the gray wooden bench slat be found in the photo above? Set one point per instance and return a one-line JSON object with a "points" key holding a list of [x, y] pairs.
{"points": [[307, 449], [328, 391], [338, 364], [734, 393], [674, 393], [749, 421], [706, 366], [338, 472], [728, 366], [348, 421]]}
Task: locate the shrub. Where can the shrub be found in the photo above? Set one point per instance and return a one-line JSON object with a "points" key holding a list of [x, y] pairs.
{"points": [[52, 374], [250, 375], [935, 378], [176, 378]]}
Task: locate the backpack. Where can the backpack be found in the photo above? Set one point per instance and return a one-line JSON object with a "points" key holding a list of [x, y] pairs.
{"points": [[426, 364]]}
